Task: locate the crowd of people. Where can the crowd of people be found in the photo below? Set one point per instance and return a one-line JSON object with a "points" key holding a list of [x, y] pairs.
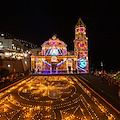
{"points": [[105, 77], [11, 77], [110, 80]]}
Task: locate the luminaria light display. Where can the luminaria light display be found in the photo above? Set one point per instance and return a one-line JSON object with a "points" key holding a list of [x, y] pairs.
{"points": [[54, 56], [81, 46]]}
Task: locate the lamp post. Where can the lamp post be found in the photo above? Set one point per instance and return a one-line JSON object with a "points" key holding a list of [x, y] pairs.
{"points": [[102, 66]]}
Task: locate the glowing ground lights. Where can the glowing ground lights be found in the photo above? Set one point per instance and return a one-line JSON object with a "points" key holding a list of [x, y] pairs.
{"points": [[52, 98]]}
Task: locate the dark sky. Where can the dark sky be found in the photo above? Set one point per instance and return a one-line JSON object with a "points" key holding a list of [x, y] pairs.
{"points": [[37, 20]]}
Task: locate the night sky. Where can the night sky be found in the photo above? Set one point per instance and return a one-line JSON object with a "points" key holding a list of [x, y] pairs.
{"points": [[37, 20]]}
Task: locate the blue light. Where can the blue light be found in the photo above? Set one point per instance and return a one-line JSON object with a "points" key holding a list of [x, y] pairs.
{"points": [[37, 59], [82, 63], [61, 63], [54, 52], [59, 51], [46, 63], [48, 51]]}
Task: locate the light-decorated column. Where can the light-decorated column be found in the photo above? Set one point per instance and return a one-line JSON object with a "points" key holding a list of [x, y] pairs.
{"points": [[81, 47]]}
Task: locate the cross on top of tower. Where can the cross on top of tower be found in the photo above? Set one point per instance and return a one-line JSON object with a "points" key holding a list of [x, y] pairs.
{"points": [[54, 37], [80, 23]]}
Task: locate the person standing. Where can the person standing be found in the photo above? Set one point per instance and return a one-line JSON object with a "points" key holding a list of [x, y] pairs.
{"points": [[100, 73]]}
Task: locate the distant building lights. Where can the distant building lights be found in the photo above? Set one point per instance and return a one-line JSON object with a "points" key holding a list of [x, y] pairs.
{"points": [[29, 52], [14, 47], [26, 62], [18, 57], [25, 55], [12, 44], [18, 48], [21, 54], [101, 64], [8, 54], [8, 65], [2, 34], [1, 44]]}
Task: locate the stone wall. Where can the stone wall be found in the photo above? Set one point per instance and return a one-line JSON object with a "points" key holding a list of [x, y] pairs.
{"points": [[15, 65]]}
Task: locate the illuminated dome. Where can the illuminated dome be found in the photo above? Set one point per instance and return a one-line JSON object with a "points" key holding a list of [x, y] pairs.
{"points": [[54, 47], [54, 41], [54, 57]]}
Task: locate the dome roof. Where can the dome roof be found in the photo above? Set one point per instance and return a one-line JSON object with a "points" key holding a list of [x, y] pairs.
{"points": [[54, 41]]}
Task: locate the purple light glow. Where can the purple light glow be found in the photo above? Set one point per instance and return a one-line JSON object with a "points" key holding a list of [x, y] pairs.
{"points": [[81, 29], [53, 42], [82, 45]]}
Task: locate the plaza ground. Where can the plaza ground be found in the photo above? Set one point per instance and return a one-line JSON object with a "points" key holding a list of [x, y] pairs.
{"points": [[60, 97]]}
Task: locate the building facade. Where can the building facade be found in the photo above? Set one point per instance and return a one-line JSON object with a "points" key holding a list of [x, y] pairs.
{"points": [[54, 57], [10, 44], [12, 55]]}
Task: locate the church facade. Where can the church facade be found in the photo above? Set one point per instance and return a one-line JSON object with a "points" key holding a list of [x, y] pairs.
{"points": [[54, 57]]}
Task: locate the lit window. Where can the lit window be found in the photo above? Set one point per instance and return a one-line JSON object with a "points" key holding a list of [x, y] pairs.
{"points": [[18, 48], [8, 65], [26, 62], [25, 55], [2, 34]]}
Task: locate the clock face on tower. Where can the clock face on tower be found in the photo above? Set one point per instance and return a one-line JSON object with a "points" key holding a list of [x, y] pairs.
{"points": [[82, 45]]}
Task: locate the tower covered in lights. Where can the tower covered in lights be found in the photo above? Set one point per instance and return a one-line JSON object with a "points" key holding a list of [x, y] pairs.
{"points": [[81, 46], [54, 57]]}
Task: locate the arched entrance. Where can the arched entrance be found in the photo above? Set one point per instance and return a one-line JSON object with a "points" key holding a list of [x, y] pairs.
{"points": [[54, 64]]}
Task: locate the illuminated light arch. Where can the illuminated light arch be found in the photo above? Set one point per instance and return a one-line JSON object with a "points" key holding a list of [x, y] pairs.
{"points": [[61, 63], [59, 50], [47, 63], [48, 51], [54, 52], [56, 65], [38, 60]]}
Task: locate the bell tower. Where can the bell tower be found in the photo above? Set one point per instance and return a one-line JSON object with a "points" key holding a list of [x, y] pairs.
{"points": [[81, 47]]}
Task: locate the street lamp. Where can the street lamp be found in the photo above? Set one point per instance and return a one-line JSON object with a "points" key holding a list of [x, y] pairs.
{"points": [[102, 66]]}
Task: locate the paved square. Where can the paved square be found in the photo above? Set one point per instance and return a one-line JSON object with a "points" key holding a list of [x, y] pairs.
{"points": [[53, 97]]}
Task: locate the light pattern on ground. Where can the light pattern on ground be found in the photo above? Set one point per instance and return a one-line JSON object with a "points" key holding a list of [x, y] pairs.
{"points": [[52, 98]]}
